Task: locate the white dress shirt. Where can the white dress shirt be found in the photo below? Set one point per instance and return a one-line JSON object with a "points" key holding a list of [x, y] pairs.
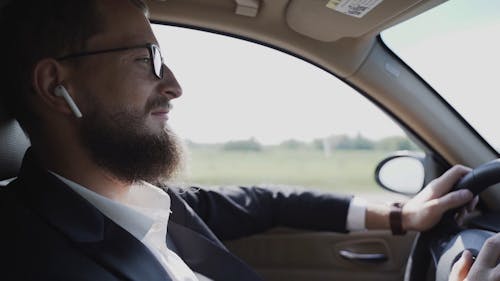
{"points": [[356, 215], [144, 213]]}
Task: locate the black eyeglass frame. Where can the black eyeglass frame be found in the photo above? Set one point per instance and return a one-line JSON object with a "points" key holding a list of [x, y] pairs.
{"points": [[152, 49]]}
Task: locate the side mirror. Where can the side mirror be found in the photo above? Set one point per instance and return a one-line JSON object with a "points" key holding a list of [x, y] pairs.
{"points": [[401, 172]]}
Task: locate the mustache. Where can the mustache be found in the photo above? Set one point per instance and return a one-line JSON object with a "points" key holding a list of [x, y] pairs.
{"points": [[159, 101]]}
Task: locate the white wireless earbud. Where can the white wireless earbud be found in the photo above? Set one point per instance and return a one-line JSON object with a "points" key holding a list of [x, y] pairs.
{"points": [[60, 91]]}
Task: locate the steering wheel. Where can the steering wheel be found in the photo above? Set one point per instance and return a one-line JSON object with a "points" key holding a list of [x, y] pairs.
{"points": [[446, 241]]}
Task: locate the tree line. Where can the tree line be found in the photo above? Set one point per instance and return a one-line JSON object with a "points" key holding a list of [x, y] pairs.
{"points": [[334, 142]]}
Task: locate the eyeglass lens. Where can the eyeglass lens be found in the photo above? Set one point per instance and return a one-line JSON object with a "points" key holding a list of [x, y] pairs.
{"points": [[157, 62]]}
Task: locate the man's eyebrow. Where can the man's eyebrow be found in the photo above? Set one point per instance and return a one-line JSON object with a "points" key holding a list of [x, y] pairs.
{"points": [[137, 37], [139, 49]]}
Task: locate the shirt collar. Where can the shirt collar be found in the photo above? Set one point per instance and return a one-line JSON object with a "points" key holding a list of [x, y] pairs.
{"points": [[143, 207]]}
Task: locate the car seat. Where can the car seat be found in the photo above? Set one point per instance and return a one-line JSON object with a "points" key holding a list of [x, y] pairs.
{"points": [[13, 145], [13, 141]]}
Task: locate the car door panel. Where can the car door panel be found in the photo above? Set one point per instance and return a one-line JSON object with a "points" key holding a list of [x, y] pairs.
{"points": [[294, 255]]}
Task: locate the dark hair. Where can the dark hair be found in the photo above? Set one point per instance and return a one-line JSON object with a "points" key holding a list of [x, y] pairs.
{"points": [[33, 30]]}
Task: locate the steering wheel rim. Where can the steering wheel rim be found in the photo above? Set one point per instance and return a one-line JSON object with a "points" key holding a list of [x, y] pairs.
{"points": [[476, 181]]}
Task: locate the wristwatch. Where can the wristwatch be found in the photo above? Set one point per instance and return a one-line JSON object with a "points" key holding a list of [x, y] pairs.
{"points": [[396, 219]]}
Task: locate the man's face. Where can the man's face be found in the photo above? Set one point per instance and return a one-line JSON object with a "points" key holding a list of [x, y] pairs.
{"points": [[125, 107]]}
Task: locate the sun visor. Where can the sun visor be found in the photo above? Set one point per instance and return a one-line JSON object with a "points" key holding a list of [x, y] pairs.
{"points": [[330, 20]]}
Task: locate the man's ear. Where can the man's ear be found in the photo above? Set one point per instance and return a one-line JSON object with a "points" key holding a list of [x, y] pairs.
{"points": [[47, 75]]}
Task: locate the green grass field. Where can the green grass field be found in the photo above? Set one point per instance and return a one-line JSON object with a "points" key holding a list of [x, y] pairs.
{"points": [[344, 171]]}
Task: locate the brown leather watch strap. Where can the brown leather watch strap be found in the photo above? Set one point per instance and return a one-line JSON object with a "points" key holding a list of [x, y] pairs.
{"points": [[396, 219]]}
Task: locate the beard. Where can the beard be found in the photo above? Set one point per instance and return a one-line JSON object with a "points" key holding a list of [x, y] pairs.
{"points": [[120, 144]]}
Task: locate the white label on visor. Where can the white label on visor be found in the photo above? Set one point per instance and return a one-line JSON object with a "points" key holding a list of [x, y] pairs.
{"points": [[354, 8]]}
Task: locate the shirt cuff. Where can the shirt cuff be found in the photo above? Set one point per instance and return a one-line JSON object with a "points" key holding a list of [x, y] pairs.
{"points": [[356, 215]]}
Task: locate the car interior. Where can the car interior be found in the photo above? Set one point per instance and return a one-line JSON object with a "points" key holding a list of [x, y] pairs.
{"points": [[349, 47]]}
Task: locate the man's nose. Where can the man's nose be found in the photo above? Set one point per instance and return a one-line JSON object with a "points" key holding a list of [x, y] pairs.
{"points": [[170, 85]]}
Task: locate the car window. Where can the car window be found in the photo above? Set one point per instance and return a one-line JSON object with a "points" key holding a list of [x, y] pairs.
{"points": [[250, 114], [454, 47]]}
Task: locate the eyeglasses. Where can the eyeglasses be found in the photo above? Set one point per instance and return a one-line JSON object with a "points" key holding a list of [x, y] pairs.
{"points": [[154, 55]]}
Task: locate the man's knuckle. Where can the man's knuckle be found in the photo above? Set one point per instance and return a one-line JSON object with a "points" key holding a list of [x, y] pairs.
{"points": [[433, 206], [492, 242]]}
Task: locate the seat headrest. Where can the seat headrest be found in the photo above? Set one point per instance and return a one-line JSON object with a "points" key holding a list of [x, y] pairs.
{"points": [[13, 141], [13, 145], [4, 2]]}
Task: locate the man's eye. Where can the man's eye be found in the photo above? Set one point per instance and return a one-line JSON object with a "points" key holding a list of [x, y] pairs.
{"points": [[144, 60]]}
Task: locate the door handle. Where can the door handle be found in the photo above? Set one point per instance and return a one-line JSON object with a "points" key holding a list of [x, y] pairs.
{"points": [[369, 258]]}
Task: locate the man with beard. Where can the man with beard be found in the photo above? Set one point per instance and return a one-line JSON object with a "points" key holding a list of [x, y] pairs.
{"points": [[88, 85]]}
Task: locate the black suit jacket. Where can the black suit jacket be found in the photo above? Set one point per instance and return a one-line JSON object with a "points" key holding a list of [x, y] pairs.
{"points": [[51, 233]]}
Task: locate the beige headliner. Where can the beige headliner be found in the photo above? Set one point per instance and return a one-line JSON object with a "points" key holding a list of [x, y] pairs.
{"points": [[304, 27], [347, 47]]}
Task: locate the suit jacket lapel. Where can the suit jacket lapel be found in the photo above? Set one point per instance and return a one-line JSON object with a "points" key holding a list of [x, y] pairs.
{"points": [[94, 234], [123, 254], [200, 248], [204, 256]]}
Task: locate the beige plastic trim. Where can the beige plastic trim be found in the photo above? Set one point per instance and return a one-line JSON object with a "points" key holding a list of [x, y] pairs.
{"points": [[248, 8], [342, 57], [271, 25], [313, 19]]}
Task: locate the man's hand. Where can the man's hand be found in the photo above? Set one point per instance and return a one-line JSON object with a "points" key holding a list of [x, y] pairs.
{"points": [[485, 268], [426, 209]]}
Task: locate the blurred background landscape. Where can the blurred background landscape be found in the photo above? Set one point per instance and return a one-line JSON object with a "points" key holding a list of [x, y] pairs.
{"points": [[338, 163]]}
